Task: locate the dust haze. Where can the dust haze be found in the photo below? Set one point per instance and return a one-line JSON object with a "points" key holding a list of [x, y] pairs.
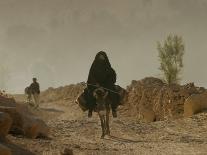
{"points": [[56, 40]]}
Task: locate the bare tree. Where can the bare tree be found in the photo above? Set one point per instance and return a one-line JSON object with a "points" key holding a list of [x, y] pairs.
{"points": [[171, 58]]}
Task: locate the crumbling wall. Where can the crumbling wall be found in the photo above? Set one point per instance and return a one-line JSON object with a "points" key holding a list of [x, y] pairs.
{"points": [[151, 97], [70, 92]]}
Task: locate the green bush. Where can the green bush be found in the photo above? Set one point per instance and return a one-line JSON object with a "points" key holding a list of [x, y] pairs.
{"points": [[171, 58]]}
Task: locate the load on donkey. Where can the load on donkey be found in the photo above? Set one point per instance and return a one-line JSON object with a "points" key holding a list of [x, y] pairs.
{"points": [[101, 81]]}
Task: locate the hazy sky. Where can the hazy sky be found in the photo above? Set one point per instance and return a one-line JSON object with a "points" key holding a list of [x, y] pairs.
{"points": [[56, 40]]}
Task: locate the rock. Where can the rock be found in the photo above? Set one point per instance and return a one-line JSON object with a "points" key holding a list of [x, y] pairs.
{"points": [[147, 115], [5, 125], [67, 152], [25, 123], [194, 104], [13, 149], [17, 123], [5, 150], [35, 127]]}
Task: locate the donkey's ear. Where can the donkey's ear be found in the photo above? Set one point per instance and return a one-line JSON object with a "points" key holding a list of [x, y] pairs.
{"points": [[94, 94], [106, 94]]}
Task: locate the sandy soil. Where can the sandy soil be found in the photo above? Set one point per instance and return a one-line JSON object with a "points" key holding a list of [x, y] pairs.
{"points": [[71, 129]]}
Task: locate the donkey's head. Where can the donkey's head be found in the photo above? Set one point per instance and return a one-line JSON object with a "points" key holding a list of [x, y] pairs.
{"points": [[100, 95]]}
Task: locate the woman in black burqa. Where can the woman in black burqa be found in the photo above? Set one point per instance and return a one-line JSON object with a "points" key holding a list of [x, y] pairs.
{"points": [[101, 74]]}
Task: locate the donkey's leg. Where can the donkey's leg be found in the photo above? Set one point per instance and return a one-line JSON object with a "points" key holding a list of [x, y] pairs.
{"points": [[107, 122], [102, 126], [105, 125]]}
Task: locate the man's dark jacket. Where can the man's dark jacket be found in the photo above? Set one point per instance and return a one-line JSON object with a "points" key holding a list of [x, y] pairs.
{"points": [[35, 88]]}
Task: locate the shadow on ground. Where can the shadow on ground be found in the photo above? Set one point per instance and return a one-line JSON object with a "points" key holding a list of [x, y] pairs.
{"points": [[124, 140]]}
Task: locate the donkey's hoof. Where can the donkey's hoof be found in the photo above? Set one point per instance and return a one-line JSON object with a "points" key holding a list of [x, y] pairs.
{"points": [[114, 114], [108, 134]]}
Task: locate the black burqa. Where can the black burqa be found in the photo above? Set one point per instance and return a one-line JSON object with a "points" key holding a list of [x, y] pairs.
{"points": [[103, 74]]}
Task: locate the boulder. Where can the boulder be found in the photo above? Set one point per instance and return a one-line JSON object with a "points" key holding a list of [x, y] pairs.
{"points": [[13, 149], [146, 114], [67, 152], [5, 124], [25, 123], [35, 127], [195, 103], [5, 150], [17, 123]]}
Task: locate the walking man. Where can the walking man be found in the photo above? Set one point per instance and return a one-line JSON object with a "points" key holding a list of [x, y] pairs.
{"points": [[35, 90]]}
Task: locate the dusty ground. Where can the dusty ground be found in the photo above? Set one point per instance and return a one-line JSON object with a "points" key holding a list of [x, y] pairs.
{"points": [[70, 128]]}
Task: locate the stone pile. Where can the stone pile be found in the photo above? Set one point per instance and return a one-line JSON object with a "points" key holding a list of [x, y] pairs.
{"points": [[70, 93], [150, 99], [16, 119]]}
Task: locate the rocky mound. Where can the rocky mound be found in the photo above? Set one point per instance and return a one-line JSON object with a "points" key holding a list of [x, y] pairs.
{"points": [[149, 99], [152, 100], [70, 92], [17, 119]]}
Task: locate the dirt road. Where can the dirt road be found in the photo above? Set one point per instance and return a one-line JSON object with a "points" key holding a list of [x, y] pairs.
{"points": [[71, 129]]}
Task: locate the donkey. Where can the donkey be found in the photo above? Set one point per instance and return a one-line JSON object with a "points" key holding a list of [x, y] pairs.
{"points": [[28, 92], [103, 109], [103, 105]]}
